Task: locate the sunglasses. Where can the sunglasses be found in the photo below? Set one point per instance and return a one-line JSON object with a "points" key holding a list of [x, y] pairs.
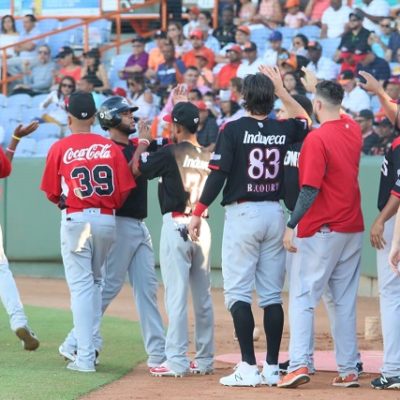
{"points": [[385, 26], [67, 85], [43, 52], [298, 43], [354, 20]]}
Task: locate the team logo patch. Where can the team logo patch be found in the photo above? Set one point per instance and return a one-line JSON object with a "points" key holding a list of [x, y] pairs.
{"points": [[196, 120]]}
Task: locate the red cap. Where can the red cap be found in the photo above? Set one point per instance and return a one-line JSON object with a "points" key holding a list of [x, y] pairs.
{"points": [[200, 105], [236, 48], [195, 10], [197, 34], [201, 53], [167, 118], [292, 3], [119, 91], [244, 28]]}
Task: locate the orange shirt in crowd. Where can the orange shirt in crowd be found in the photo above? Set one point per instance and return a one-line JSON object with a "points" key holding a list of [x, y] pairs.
{"points": [[227, 72], [156, 58], [189, 58], [75, 73]]}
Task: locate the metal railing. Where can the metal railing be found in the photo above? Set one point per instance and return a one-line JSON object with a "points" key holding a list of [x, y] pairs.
{"points": [[117, 15]]}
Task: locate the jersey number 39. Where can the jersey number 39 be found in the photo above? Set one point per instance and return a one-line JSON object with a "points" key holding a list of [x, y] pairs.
{"points": [[98, 180]]}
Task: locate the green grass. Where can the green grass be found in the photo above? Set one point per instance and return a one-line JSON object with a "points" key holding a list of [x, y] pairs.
{"points": [[42, 374]]}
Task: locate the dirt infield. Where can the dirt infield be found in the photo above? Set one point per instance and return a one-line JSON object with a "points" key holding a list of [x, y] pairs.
{"points": [[139, 385]]}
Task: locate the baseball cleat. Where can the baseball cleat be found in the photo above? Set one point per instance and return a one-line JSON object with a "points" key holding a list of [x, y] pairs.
{"points": [[164, 370], [270, 374], [383, 382], [244, 375], [194, 369], [294, 379], [68, 355], [360, 368], [348, 381], [28, 338], [73, 366]]}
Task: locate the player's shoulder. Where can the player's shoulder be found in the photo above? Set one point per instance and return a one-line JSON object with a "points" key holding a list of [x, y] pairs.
{"points": [[396, 143]]}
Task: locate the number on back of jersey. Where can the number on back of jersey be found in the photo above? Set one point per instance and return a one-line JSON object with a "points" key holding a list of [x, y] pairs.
{"points": [[98, 180]]}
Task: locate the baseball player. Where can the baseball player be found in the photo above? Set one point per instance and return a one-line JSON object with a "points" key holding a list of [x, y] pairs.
{"points": [[132, 250], [87, 176], [183, 168], [249, 157], [329, 238], [8, 289], [380, 236]]}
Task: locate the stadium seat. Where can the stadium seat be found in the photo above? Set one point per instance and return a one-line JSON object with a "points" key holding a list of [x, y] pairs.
{"points": [[22, 100], [104, 26], [3, 100], [43, 146], [329, 46], [46, 131], [117, 63], [26, 147], [37, 100], [55, 42], [260, 37], [48, 24], [287, 32], [311, 31], [31, 114]]}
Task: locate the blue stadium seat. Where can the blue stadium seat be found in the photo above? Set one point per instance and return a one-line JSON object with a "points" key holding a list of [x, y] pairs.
{"points": [[329, 46], [43, 146], [22, 100], [26, 147], [104, 25], [287, 32], [37, 100], [117, 63], [46, 131], [3, 100], [311, 31], [260, 37], [55, 42], [48, 24], [31, 114]]}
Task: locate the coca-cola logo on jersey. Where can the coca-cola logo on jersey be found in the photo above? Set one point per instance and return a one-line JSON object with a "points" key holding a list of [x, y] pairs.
{"points": [[94, 152]]}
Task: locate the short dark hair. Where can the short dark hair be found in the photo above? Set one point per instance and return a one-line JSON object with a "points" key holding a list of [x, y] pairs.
{"points": [[330, 91], [197, 92], [258, 94], [305, 102], [237, 83], [31, 17]]}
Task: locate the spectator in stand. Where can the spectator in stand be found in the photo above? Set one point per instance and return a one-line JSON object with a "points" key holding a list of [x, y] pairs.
{"points": [[197, 39], [210, 99], [396, 64], [323, 67], [275, 51], [93, 67], [230, 110], [355, 99], [225, 33], [392, 89], [235, 87], [251, 61], [315, 9], [69, 64], [175, 34], [269, 14], [194, 95], [207, 130], [229, 70], [171, 71], [246, 12], [206, 77], [376, 66], [292, 83], [54, 106], [38, 73], [137, 62], [386, 132], [354, 46], [242, 35], [193, 21], [30, 30], [9, 34], [141, 97], [334, 19], [365, 118], [87, 84], [373, 11], [156, 57], [299, 45], [294, 18], [209, 41], [394, 42]]}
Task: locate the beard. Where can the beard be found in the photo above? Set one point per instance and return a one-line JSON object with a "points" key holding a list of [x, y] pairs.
{"points": [[126, 129]]}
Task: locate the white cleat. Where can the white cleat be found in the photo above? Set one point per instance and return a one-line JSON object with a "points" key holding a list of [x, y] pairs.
{"points": [[73, 366], [270, 374], [165, 370], [244, 375], [68, 355]]}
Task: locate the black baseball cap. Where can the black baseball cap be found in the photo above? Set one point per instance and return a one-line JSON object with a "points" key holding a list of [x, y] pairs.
{"points": [[314, 46], [185, 114], [250, 46], [357, 14], [366, 114], [64, 51], [346, 76], [81, 105]]}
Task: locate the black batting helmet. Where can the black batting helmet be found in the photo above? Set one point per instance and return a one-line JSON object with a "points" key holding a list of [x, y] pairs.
{"points": [[108, 113]]}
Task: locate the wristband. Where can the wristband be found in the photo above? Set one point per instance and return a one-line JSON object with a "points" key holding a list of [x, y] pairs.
{"points": [[16, 138], [10, 150], [199, 210], [144, 141]]}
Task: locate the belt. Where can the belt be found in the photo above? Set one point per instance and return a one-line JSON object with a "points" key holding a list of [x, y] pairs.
{"points": [[104, 211], [177, 214]]}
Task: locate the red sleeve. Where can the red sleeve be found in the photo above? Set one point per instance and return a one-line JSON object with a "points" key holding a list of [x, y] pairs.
{"points": [[51, 180], [124, 178], [312, 162], [5, 165]]}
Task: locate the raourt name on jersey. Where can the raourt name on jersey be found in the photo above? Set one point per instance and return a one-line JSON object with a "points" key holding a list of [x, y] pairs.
{"points": [[258, 138], [93, 152], [197, 163]]}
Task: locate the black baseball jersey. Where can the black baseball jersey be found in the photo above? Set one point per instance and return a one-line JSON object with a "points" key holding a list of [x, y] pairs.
{"points": [[135, 205], [390, 174], [251, 152], [291, 175], [183, 169]]}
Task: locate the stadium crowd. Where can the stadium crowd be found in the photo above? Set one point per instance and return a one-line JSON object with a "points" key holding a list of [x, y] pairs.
{"points": [[333, 39]]}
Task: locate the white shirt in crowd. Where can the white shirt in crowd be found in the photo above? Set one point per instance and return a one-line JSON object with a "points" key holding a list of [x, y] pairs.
{"points": [[336, 20], [248, 69], [356, 100], [377, 8], [325, 68], [270, 57]]}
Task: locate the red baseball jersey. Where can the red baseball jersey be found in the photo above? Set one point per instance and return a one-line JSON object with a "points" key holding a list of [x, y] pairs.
{"points": [[5, 165], [89, 171]]}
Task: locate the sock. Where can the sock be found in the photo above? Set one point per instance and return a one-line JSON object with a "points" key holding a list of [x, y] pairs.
{"points": [[243, 322], [273, 327]]}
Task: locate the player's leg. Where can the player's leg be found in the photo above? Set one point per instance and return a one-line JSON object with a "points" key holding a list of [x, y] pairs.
{"points": [[270, 277], [243, 232], [175, 263], [343, 284], [10, 298], [389, 289], [143, 278], [200, 286]]}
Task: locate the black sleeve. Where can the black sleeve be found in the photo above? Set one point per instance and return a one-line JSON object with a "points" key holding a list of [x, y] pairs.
{"points": [[304, 202], [158, 163], [297, 130], [157, 144], [396, 168], [224, 155], [212, 133], [212, 187]]}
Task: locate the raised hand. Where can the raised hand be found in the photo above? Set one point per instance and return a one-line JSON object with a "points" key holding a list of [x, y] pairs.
{"points": [[371, 84], [144, 130], [309, 80], [22, 131], [180, 94], [274, 74]]}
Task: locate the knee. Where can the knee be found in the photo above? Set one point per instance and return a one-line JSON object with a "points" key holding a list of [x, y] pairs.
{"points": [[238, 306]]}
